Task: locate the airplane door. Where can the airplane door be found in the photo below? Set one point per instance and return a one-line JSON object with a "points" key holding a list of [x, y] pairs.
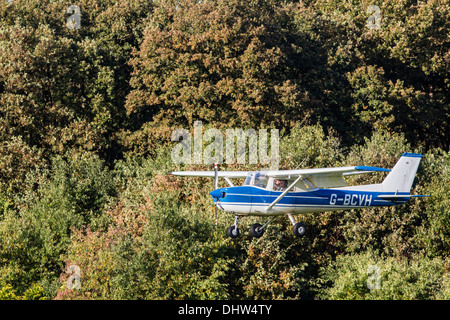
{"points": [[244, 199], [276, 189]]}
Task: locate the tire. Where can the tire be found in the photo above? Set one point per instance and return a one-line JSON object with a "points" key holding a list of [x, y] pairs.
{"points": [[256, 230], [299, 229], [233, 232]]}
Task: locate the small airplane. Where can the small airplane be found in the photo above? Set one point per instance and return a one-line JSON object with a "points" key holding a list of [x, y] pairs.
{"points": [[291, 192]]}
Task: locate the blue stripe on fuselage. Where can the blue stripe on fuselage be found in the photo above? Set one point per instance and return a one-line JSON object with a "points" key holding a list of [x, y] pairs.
{"points": [[321, 197]]}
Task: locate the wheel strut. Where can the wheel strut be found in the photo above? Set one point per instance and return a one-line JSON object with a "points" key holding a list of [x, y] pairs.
{"points": [[257, 230], [299, 228], [233, 231], [291, 218]]}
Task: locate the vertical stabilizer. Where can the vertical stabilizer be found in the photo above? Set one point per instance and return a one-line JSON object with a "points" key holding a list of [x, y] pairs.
{"points": [[401, 177]]}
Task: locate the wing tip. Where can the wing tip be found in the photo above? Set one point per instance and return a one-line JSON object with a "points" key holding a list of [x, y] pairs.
{"points": [[413, 155], [368, 168]]}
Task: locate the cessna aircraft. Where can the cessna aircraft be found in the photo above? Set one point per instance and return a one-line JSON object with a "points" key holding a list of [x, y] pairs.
{"points": [[291, 192]]}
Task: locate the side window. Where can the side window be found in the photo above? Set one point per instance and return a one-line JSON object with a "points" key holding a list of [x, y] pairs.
{"points": [[260, 180], [280, 185], [308, 184], [248, 180]]}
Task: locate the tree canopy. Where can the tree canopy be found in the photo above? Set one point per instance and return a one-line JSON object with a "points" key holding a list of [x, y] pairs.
{"points": [[91, 91]]}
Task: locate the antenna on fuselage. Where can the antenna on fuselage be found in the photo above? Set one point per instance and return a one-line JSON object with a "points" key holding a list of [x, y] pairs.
{"points": [[301, 163]]}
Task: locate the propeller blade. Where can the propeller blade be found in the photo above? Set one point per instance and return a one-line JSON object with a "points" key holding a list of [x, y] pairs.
{"points": [[216, 177], [216, 186], [215, 216]]}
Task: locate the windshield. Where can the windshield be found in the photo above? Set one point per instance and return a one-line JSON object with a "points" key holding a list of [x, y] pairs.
{"points": [[260, 180], [248, 180]]}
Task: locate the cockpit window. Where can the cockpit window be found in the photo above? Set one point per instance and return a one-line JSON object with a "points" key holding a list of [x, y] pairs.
{"points": [[308, 184], [248, 180], [279, 185], [260, 180]]}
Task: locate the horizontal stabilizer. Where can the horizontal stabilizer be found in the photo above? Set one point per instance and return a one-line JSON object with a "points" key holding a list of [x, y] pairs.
{"points": [[393, 196]]}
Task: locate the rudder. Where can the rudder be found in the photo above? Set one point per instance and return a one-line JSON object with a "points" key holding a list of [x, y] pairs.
{"points": [[401, 177]]}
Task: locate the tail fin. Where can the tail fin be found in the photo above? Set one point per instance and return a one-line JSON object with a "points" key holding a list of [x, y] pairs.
{"points": [[401, 177]]}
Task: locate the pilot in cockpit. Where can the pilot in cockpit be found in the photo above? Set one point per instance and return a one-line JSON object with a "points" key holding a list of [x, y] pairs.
{"points": [[279, 185]]}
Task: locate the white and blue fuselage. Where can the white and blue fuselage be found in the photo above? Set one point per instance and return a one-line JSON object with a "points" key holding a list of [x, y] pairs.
{"points": [[262, 194], [251, 200]]}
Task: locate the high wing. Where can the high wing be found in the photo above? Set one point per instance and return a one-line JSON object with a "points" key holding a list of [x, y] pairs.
{"points": [[318, 178], [210, 174], [338, 171], [324, 177]]}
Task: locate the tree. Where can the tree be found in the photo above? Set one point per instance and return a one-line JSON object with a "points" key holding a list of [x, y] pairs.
{"points": [[370, 276], [240, 64], [396, 73], [64, 88]]}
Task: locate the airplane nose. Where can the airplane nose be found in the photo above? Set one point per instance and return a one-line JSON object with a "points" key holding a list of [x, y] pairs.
{"points": [[218, 193]]}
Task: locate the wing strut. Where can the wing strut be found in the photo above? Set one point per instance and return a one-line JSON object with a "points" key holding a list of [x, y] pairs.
{"points": [[281, 196]]}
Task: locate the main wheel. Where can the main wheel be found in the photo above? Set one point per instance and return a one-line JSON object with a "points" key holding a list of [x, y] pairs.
{"points": [[233, 232], [299, 229], [256, 230]]}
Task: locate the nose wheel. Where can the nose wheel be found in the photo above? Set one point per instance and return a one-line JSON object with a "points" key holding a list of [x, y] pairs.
{"points": [[233, 232]]}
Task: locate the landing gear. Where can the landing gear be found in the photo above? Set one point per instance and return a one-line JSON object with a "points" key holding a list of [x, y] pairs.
{"points": [[233, 232], [299, 228], [256, 230]]}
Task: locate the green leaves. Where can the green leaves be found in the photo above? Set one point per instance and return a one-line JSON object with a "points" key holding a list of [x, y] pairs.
{"points": [[419, 278], [137, 233], [86, 116]]}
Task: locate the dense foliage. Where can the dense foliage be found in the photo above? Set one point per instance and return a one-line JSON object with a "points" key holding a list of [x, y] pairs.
{"points": [[86, 116]]}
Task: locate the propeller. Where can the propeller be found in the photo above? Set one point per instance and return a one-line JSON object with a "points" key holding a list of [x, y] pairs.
{"points": [[216, 186], [216, 177]]}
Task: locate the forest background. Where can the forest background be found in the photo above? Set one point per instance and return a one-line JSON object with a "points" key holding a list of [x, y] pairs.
{"points": [[87, 108]]}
